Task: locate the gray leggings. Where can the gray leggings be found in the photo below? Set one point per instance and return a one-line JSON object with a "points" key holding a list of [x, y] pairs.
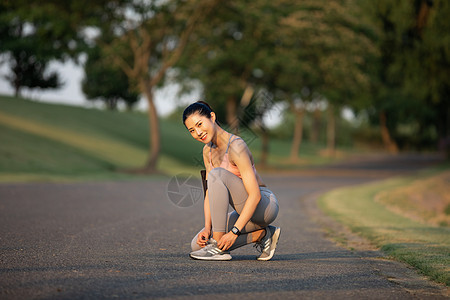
{"points": [[225, 188]]}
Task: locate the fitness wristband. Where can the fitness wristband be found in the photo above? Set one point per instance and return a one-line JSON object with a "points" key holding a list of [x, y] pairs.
{"points": [[236, 231]]}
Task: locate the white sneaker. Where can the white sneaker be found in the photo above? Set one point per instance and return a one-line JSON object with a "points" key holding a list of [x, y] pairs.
{"points": [[269, 242], [211, 252]]}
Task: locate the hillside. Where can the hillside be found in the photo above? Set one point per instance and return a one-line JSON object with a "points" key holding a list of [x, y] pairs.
{"points": [[41, 141], [48, 141]]}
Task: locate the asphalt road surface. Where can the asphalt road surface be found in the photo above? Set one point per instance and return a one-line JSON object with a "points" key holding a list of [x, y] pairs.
{"points": [[131, 240]]}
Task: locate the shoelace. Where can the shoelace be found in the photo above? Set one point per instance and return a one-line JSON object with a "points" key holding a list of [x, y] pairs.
{"points": [[213, 249], [259, 247], [262, 246]]}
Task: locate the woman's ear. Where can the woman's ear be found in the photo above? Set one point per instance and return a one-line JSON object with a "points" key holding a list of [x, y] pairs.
{"points": [[213, 117]]}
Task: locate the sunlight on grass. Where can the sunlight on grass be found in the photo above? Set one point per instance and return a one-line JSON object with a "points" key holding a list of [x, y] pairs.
{"points": [[424, 246], [119, 154], [424, 200]]}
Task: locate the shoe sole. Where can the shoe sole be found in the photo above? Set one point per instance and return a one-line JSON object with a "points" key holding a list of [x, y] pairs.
{"points": [[275, 237], [223, 257]]}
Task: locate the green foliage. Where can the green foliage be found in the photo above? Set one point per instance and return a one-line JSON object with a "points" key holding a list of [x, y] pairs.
{"points": [[231, 57], [33, 33], [377, 57], [410, 81], [447, 210], [346, 129], [27, 52], [323, 51], [367, 137], [106, 81], [298, 52]]}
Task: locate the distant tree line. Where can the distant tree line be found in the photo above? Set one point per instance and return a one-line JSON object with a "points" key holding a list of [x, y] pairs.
{"points": [[387, 61]]}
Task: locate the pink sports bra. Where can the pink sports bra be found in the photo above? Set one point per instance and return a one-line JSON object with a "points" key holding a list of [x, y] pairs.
{"points": [[226, 162]]}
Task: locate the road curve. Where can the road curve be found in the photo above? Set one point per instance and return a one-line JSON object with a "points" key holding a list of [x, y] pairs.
{"points": [[129, 240]]}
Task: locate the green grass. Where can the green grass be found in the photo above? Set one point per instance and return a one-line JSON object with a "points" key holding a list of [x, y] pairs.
{"points": [[49, 142], [40, 141], [423, 246], [28, 151]]}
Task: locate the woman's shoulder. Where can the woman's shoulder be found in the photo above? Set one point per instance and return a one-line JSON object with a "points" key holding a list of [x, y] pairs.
{"points": [[238, 146], [237, 141]]}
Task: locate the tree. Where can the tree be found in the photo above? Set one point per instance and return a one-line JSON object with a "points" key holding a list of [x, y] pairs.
{"points": [[345, 47], [226, 56], [299, 51], [106, 81], [322, 49], [235, 62], [411, 84], [424, 60], [34, 33], [30, 70], [27, 53], [292, 71], [150, 38]]}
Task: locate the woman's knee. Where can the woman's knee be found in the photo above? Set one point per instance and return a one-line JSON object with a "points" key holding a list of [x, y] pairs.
{"points": [[267, 210], [216, 175], [272, 214], [194, 245]]}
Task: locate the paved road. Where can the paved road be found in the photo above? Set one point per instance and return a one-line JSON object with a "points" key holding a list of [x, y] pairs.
{"points": [[127, 240]]}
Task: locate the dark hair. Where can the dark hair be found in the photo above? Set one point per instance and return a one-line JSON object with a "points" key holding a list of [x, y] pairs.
{"points": [[200, 107]]}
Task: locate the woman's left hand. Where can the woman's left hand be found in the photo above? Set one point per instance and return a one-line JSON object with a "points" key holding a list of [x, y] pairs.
{"points": [[226, 241]]}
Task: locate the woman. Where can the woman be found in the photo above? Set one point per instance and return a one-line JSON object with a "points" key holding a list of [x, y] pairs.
{"points": [[232, 180]]}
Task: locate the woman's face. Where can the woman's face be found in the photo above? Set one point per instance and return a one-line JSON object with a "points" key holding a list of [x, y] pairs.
{"points": [[201, 128]]}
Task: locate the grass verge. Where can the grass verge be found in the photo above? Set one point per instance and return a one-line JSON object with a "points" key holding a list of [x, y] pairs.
{"points": [[422, 245]]}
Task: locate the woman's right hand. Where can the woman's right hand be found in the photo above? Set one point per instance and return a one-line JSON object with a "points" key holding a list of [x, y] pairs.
{"points": [[203, 237]]}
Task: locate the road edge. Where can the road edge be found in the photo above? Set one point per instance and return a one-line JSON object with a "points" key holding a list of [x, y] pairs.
{"points": [[394, 271]]}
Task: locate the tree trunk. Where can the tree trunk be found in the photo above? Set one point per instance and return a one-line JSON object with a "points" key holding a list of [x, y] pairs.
{"points": [[264, 147], [331, 131], [155, 141], [298, 134], [315, 130], [143, 41], [388, 142], [17, 91], [247, 96], [111, 104], [16, 82], [231, 110], [422, 16]]}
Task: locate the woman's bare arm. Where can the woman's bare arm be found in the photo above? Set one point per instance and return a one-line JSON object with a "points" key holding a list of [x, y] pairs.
{"points": [[206, 208], [240, 155]]}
